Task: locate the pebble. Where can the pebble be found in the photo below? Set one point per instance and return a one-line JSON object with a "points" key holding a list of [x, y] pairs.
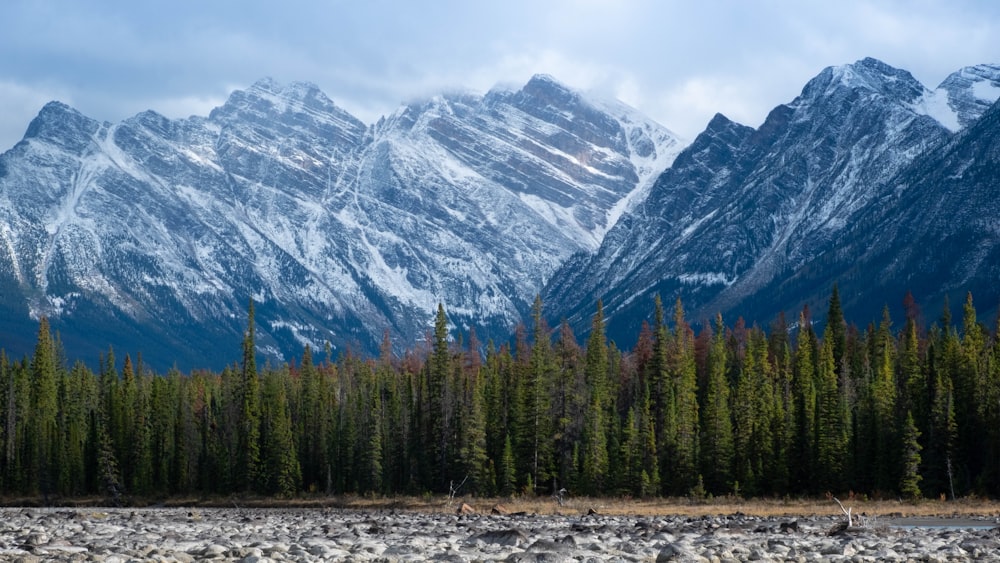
{"points": [[261, 535]]}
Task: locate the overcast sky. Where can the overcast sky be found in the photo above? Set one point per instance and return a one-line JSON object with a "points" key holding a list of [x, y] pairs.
{"points": [[679, 62]]}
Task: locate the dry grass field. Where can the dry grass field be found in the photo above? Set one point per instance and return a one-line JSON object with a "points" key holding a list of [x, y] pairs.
{"points": [[654, 507], [577, 505]]}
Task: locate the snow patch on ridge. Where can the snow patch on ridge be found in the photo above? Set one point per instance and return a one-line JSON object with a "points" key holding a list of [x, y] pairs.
{"points": [[707, 278], [935, 104], [986, 91]]}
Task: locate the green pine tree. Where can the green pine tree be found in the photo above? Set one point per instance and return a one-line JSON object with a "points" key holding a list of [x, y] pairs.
{"points": [[248, 466], [909, 483], [44, 435], [804, 393], [595, 439], [717, 445], [439, 373], [506, 472], [831, 428], [281, 470], [681, 366]]}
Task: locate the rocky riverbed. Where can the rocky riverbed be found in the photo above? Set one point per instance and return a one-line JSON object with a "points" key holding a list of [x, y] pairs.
{"points": [[176, 534]]}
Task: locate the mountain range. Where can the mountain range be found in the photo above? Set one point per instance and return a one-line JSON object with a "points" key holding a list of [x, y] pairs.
{"points": [[867, 180], [154, 234]]}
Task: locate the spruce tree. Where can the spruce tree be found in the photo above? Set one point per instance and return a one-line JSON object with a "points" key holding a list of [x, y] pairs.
{"points": [[663, 399], [474, 456], [373, 453], [883, 393], [140, 450], [536, 420], [717, 446], [649, 458], [836, 330], [681, 365], [248, 466], [439, 371], [595, 439], [43, 414], [804, 392], [281, 471], [568, 405], [505, 473], [909, 483], [831, 429]]}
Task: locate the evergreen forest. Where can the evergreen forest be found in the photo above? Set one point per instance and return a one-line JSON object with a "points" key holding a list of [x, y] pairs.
{"points": [[894, 409]]}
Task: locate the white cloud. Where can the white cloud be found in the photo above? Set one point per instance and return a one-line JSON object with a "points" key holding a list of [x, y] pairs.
{"points": [[679, 62]]}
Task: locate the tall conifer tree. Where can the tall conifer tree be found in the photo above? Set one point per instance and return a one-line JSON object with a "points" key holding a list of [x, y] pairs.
{"points": [[248, 465], [595, 438], [717, 447]]}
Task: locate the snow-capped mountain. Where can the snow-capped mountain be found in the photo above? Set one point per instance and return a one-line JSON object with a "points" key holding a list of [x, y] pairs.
{"points": [[745, 216], [938, 232], [153, 234]]}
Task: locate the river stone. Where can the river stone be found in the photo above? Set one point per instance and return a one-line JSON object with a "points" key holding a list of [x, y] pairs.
{"points": [[511, 537]]}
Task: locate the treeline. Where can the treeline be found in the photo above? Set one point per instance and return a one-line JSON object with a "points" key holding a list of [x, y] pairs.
{"points": [[731, 410]]}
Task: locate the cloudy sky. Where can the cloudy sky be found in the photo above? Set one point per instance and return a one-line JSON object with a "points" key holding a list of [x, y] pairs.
{"points": [[678, 61]]}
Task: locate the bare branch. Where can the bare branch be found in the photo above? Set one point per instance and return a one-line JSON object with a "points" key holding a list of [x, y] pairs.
{"points": [[850, 521]]}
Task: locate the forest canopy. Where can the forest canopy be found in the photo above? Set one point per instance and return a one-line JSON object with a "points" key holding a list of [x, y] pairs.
{"points": [[907, 412]]}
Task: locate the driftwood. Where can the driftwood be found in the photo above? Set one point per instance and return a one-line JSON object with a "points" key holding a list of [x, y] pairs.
{"points": [[847, 512]]}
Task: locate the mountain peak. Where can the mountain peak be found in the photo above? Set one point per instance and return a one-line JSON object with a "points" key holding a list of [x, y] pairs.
{"points": [[542, 78], [719, 122], [866, 75], [546, 85], [63, 125], [297, 90], [875, 75], [269, 99]]}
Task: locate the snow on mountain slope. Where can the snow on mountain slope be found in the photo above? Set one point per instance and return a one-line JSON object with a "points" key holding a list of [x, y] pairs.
{"points": [[159, 231], [741, 209], [965, 95]]}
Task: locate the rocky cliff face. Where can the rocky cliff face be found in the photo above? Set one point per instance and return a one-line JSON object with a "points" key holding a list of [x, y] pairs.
{"points": [[153, 234], [743, 212]]}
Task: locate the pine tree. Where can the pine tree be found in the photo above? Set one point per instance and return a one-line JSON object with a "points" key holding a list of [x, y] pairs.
{"points": [[942, 453], [373, 454], [883, 393], [836, 330], [536, 432], [77, 398], [140, 451], [281, 471], [43, 413], [629, 457], [163, 439], [437, 401], [831, 429], [804, 392], [681, 365], [474, 456], [312, 423], [595, 439], [505, 477], [248, 466], [970, 381], [717, 446], [913, 396], [568, 405], [909, 483], [109, 475], [649, 458], [663, 399]]}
